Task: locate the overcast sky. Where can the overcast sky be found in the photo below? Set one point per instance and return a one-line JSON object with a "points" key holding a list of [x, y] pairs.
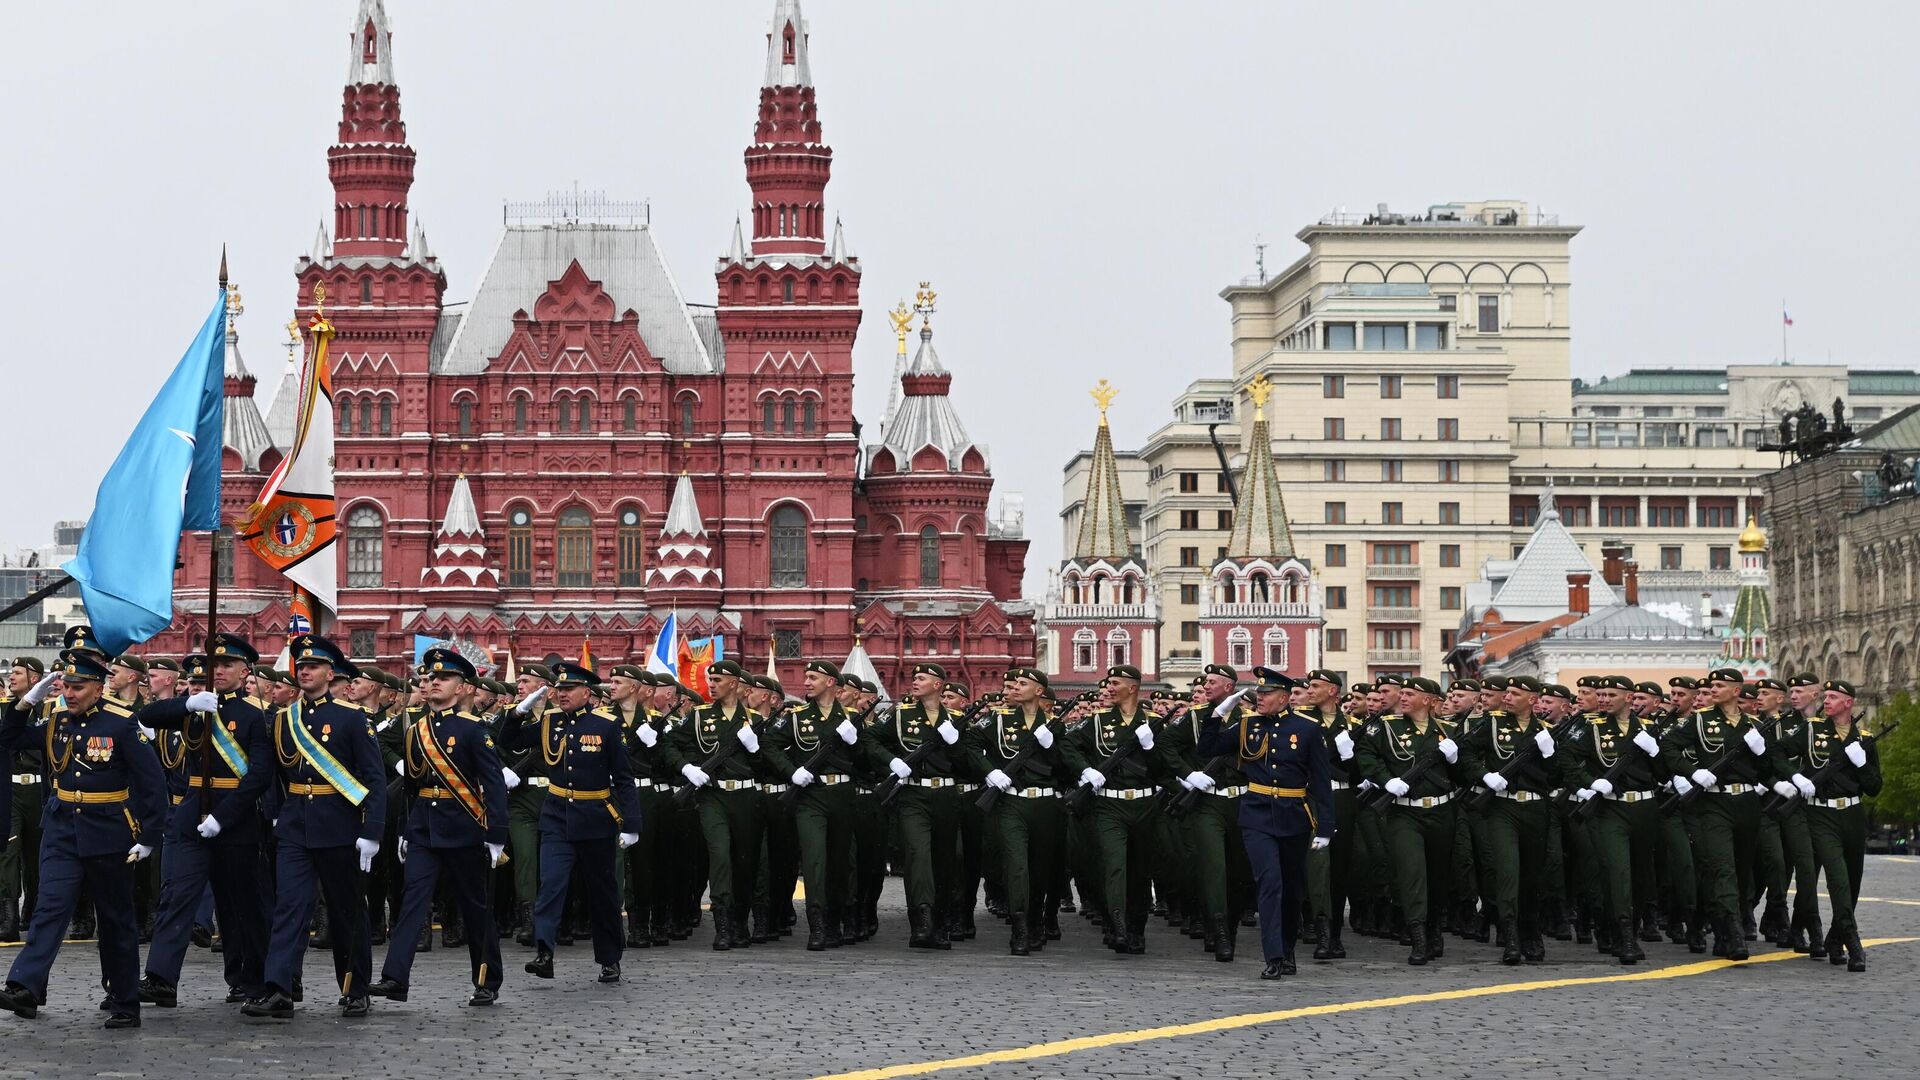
{"points": [[1078, 180]]}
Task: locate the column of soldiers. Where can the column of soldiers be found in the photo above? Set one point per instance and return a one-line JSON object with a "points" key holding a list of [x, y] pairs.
{"points": [[337, 806]]}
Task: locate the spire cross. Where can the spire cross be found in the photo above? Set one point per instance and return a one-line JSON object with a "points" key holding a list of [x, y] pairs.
{"points": [[1258, 390], [1103, 396]]}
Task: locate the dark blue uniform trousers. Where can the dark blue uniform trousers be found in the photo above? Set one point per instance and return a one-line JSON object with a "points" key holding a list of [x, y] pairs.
{"points": [[108, 879], [304, 872], [1280, 886], [467, 873], [191, 864], [595, 858]]}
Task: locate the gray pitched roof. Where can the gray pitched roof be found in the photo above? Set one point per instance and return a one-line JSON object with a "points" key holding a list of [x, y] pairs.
{"points": [[1539, 577], [924, 419], [245, 433], [625, 261], [1625, 622]]}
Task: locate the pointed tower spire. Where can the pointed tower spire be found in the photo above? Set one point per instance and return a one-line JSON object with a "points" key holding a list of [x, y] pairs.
{"points": [[462, 519], [787, 164], [738, 252], [683, 573], [370, 46], [1260, 529], [1747, 628], [837, 252], [683, 514], [787, 47], [1103, 514], [370, 164], [460, 574], [322, 247]]}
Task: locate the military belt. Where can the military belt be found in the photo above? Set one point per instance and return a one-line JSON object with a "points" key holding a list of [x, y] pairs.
{"points": [[1278, 792], [830, 779], [934, 782], [435, 793], [322, 788], [26, 778], [1629, 796], [596, 795], [775, 789], [968, 788], [1128, 794], [1428, 802], [218, 783], [1836, 804], [91, 798], [1520, 796], [642, 781], [732, 785], [1030, 792], [1735, 789], [537, 781], [1230, 792]]}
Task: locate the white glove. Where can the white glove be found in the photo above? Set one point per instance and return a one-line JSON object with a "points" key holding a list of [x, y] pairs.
{"points": [[847, 732], [527, 703], [1320, 843], [1043, 737], [1602, 785], [138, 852], [694, 775], [1583, 794], [1803, 785], [628, 839], [1449, 750], [512, 778], [39, 689], [1544, 740], [948, 733], [1857, 754], [1093, 778], [495, 853], [1343, 745], [1755, 742], [1144, 736], [1681, 785], [1703, 778], [1226, 705], [400, 767], [1199, 779], [998, 779], [1397, 788], [900, 769], [1646, 742], [802, 777], [147, 731], [1494, 781], [749, 741], [1784, 789], [1367, 785], [399, 851], [367, 849], [208, 828], [204, 701], [646, 735]]}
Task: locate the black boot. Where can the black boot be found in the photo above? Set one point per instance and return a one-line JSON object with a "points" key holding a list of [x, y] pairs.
{"points": [[1836, 947], [541, 966], [1036, 932], [835, 933], [1436, 941], [377, 924], [1748, 931], [1337, 950], [722, 929], [1484, 933], [453, 930], [920, 926], [942, 937], [659, 931], [637, 930], [9, 920], [1117, 930], [1696, 934], [1585, 933], [1557, 925], [873, 916], [1773, 921], [816, 927], [1532, 948], [1137, 934], [742, 932], [1509, 941], [1053, 922], [758, 935], [1629, 952], [1323, 935], [1603, 939], [1209, 928], [1816, 941], [1856, 953], [523, 923], [1797, 937], [1225, 937], [1417, 933], [425, 943], [967, 929], [322, 932], [1736, 940], [1017, 945], [1650, 923]]}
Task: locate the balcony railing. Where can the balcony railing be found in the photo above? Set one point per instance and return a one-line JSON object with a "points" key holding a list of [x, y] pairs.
{"points": [[1393, 656], [1394, 571], [1393, 614], [1211, 610], [1091, 612]]}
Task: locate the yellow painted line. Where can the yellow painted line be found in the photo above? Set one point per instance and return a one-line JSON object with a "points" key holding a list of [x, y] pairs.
{"points": [[1244, 1020], [1886, 900]]}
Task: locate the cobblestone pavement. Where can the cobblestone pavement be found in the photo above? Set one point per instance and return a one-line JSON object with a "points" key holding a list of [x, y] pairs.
{"points": [[778, 1012]]}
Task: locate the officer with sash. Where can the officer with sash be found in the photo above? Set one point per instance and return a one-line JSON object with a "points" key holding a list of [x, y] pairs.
{"points": [[106, 814], [456, 827], [590, 813], [214, 834], [329, 810]]}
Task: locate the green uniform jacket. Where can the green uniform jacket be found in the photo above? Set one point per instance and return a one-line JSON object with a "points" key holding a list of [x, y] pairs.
{"points": [[911, 726], [705, 732], [994, 743], [1491, 745], [1595, 746], [1815, 743], [1177, 745], [1387, 747], [793, 737], [1699, 741], [1087, 747]]}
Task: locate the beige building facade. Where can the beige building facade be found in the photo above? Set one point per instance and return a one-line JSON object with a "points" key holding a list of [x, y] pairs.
{"points": [[1423, 403]]}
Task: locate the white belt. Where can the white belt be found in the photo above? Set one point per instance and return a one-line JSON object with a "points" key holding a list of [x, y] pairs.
{"points": [[1836, 804], [1519, 796], [735, 785], [538, 781], [1427, 803], [26, 778], [969, 788], [831, 779], [1735, 789], [774, 789], [1629, 796], [1229, 792], [1030, 792], [641, 781], [1129, 794], [1341, 785], [934, 782], [862, 789]]}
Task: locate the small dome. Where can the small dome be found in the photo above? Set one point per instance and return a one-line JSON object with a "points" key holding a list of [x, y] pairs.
{"points": [[1753, 538]]}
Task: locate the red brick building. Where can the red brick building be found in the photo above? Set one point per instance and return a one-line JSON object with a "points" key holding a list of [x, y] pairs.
{"points": [[577, 451]]}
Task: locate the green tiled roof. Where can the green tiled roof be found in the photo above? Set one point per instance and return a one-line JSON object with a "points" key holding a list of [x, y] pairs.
{"points": [[1901, 431], [1883, 382], [1660, 381]]}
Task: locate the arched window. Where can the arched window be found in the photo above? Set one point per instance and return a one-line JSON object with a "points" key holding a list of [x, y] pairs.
{"points": [[366, 285], [1084, 641], [788, 547], [807, 416], [583, 413], [465, 406], [1275, 640], [786, 42], [786, 291], [766, 416], [1239, 647], [366, 416], [386, 416], [366, 549], [573, 548], [346, 415], [786, 416], [633, 545], [1119, 647], [629, 414], [520, 414], [562, 412], [519, 547], [929, 557], [686, 415]]}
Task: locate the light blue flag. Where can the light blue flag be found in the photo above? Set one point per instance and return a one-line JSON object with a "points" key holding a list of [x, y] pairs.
{"points": [[166, 480]]}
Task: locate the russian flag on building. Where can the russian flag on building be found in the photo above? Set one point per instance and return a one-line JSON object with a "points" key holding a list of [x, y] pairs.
{"points": [[1786, 319]]}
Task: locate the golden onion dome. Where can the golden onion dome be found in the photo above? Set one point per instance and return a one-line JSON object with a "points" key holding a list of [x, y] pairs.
{"points": [[1753, 538]]}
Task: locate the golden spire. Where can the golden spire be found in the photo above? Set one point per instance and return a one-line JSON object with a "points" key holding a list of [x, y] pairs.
{"points": [[1103, 396], [1753, 537], [1258, 390], [902, 318], [923, 303]]}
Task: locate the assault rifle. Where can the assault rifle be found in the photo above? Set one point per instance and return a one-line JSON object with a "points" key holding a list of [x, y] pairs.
{"points": [[1028, 747], [1077, 799], [1558, 733], [889, 789], [1613, 777], [1680, 801], [820, 754], [1780, 804], [683, 796]]}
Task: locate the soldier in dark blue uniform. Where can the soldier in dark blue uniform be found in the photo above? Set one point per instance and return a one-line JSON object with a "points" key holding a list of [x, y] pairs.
{"points": [[213, 835], [590, 807], [328, 810], [456, 827], [107, 811], [1287, 810]]}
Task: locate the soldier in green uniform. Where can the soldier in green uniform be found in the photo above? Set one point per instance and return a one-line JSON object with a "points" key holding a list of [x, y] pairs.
{"points": [[956, 697], [1017, 752], [20, 848], [1613, 756], [1516, 818], [1802, 931], [867, 869], [1123, 811], [1685, 903], [630, 689], [526, 777], [813, 744], [729, 797], [1216, 858], [1836, 816], [778, 868], [1568, 878], [1372, 883], [1331, 870], [927, 807], [1419, 820], [1721, 749], [1471, 881]]}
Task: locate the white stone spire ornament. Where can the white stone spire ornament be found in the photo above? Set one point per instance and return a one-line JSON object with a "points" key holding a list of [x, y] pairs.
{"points": [[738, 251], [322, 247], [787, 47], [837, 252], [370, 46]]}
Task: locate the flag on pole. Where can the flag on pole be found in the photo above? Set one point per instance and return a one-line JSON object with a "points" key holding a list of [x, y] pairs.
{"points": [[1785, 319], [290, 524], [773, 669], [696, 657], [166, 480], [586, 652], [664, 657]]}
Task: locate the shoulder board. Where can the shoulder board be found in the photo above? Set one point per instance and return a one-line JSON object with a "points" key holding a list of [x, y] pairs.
{"points": [[468, 716], [113, 708], [1446, 725], [604, 713], [355, 706]]}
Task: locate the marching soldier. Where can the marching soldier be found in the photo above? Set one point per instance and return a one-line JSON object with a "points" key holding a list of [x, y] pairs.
{"points": [[633, 694], [329, 810], [26, 794], [726, 736], [456, 828], [1419, 822], [1217, 856], [213, 837], [927, 806], [1613, 757], [589, 814], [1288, 808], [869, 862], [1331, 871], [1018, 754], [956, 697], [526, 781], [814, 745], [1836, 817], [1802, 932], [1516, 819], [1686, 903], [108, 809], [1123, 812], [778, 868]]}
